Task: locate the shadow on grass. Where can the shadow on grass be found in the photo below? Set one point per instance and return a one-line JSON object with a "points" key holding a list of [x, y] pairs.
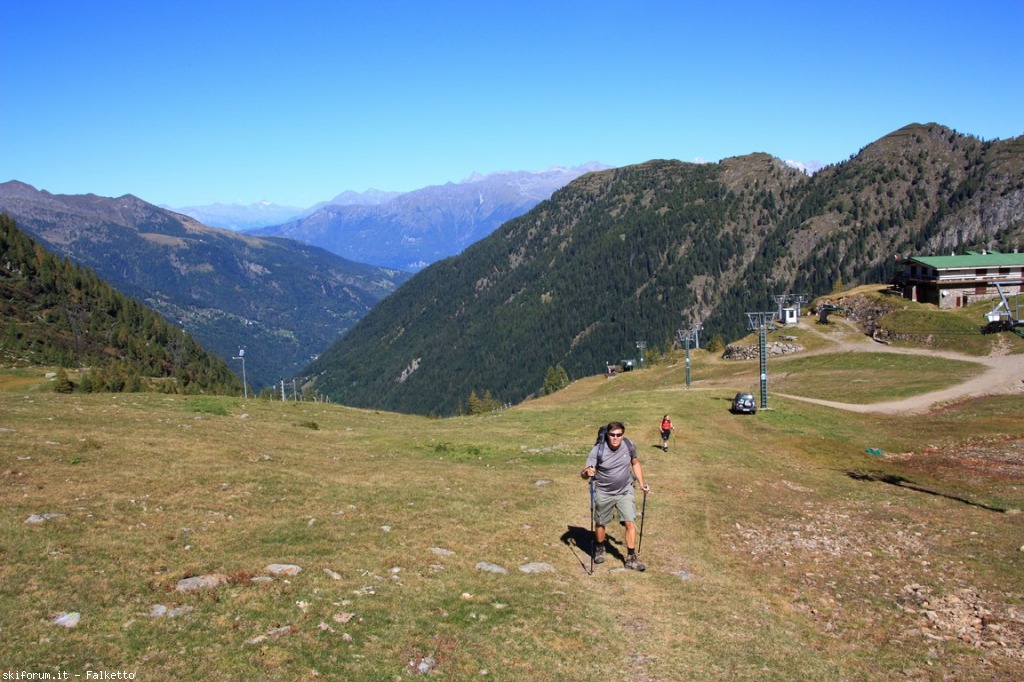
{"points": [[900, 482], [581, 542]]}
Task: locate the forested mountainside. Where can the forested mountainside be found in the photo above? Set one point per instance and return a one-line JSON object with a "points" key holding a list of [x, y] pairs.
{"points": [[637, 253], [282, 301], [58, 313]]}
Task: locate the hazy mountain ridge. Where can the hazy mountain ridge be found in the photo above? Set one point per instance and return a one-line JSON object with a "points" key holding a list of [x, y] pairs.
{"points": [[636, 253], [429, 224], [240, 217], [245, 217], [283, 301]]}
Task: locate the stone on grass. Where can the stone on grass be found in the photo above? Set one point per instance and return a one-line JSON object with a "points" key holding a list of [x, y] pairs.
{"points": [[538, 567], [490, 568], [424, 665], [276, 632], [201, 582], [283, 569], [40, 518], [441, 551], [159, 611], [67, 620], [333, 574]]}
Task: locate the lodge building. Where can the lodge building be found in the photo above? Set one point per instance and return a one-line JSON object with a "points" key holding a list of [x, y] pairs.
{"points": [[954, 281]]}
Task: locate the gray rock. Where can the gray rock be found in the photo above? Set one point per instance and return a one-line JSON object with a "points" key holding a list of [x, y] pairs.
{"points": [[40, 518], [538, 567], [201, 582], [67, 620], [276, 632], [490, 568], [159, 611], [440, 551], [283, 569]]}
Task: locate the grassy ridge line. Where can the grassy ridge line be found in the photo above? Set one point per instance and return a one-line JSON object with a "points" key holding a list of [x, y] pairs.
{"points": [[155, 489]]}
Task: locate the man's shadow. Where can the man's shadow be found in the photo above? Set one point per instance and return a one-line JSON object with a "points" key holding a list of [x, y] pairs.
{"points": [[900, 482], [581, 539]]}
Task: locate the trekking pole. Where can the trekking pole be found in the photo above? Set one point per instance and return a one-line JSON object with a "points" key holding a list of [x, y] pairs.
{"points": [[593, 534], [643, 515]]}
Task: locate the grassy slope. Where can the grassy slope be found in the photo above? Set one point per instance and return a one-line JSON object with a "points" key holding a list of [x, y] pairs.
{"points": [[778, 549]]}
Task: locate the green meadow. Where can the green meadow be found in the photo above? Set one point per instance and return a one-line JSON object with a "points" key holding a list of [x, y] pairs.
{"points": [[778, 547]]}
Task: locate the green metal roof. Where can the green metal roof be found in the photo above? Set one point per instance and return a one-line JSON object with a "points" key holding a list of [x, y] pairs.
{"points": [[972, 260]]}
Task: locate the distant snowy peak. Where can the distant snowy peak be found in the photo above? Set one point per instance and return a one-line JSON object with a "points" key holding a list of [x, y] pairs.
{"points": [[561, 171], [809, 168], [239, 216], [535, 185], [425, 225], [371, 197]]}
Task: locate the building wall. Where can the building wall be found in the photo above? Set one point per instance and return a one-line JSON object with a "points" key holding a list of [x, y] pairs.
{"points": [[959, 295], [956, 287]]}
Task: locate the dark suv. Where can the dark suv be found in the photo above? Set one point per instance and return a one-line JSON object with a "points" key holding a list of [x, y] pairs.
{"points": [[744, 403]]}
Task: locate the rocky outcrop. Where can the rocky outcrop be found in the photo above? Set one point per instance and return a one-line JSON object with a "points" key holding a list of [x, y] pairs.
{"points": [[733, 352]]}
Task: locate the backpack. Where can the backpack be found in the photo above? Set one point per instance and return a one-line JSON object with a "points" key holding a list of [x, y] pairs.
{"points": [[601, 438]]}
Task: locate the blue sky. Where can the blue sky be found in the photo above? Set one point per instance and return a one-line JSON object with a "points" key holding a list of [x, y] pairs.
{"points": [[184, 103]]}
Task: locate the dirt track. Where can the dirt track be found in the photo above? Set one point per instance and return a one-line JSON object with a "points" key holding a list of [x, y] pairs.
{"points": [[1004, 374]]}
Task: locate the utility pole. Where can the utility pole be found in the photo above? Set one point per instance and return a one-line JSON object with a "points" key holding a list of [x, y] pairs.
{"points": [[641, 345], [760, 322], [245, 385]]}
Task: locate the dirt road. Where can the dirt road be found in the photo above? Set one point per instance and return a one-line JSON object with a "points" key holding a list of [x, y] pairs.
{"points": [[1004, 373]]}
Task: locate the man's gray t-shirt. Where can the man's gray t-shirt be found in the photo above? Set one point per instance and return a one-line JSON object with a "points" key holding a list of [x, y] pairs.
{"points": [[614, 468]]}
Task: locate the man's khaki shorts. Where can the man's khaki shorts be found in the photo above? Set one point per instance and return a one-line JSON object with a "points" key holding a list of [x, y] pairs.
{"points": [[605, 505]]}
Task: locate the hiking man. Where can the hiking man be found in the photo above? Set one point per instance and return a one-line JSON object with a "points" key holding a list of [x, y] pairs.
{"points": [[666, 431], [612, 464]]}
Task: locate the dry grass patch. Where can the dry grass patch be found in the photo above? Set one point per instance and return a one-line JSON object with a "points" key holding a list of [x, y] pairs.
{"points": [[777, 548]]}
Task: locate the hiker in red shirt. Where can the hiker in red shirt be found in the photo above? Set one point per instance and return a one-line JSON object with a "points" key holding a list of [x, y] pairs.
{"points": [[666, 431]]}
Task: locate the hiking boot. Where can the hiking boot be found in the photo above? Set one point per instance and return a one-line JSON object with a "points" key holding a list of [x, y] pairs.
{"points": [[633, 564], [599, 554]]}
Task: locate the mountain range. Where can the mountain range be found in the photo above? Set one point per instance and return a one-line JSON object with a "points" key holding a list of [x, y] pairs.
{"points": [[281, 301], [245, 217], [636, 253], [615, 257], [414, 229]]}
